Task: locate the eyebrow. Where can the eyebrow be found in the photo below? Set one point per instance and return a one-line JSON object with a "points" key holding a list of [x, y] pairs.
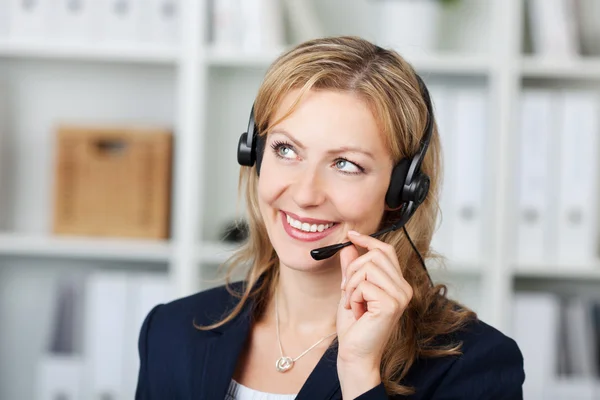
{"points": [[336, 151]]}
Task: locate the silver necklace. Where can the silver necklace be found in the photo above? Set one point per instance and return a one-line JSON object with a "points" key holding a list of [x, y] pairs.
{"points": [[285, 363]]}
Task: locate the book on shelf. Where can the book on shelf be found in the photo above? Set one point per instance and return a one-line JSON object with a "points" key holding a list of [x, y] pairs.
{"points": [[556, 177], [303, 20], [106, 22], [247, 26], [559, 337], [60, 368], [92, 349], [553, 27], [589, 29], [564, 28], [462, 115]]}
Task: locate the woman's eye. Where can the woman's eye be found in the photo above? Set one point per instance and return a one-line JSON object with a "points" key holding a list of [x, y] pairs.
{"points": [[348, 166], [283, 150]]}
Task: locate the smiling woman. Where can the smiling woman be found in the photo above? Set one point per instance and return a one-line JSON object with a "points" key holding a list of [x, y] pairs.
{"points": [[338, 125]]}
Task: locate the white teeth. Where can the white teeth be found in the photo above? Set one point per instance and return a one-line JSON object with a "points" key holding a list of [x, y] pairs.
{"points": [[306, 227]]}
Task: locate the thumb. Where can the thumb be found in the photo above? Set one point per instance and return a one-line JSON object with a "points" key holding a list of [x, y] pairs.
{"points": [[347, 255]]}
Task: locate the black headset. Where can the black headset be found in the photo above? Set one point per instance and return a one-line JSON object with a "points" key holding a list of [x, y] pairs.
{"points": [[408, 187]]}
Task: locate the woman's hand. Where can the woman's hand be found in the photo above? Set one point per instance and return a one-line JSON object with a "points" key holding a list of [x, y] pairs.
{"points": [[374, 296]]}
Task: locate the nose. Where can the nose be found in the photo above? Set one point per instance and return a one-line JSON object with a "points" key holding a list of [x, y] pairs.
{"points": [[308, 188]]}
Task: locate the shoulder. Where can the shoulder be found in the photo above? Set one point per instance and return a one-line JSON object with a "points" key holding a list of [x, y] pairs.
{"points": [[168, 335], [490, 366], [203, 308], [169, 328]]}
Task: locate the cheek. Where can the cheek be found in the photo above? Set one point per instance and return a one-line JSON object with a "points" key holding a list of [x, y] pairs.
{"points": [[270, 185], [357, 203]]}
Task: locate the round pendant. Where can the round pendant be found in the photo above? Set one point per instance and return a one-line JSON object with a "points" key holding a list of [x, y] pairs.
{"points": [[284, 363]]}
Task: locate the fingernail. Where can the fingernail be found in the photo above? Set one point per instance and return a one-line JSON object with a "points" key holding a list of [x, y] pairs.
{"points": [[353, 233], [343, 283]]}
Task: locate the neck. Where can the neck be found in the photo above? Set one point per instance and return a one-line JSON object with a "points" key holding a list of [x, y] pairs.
{"points": [[307, 300]]}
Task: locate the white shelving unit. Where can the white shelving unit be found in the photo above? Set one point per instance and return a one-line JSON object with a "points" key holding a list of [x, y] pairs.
{"points": [[84, 248], [578, 69], [149, 54], [206, 96]]}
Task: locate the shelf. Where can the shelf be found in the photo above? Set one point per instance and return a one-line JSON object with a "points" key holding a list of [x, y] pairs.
{"points": [[239, 58], [577, 271], [577, 68], [452, 64], [143, 53], [455, 268], [84, 248], [439, 63], [214, 252]]}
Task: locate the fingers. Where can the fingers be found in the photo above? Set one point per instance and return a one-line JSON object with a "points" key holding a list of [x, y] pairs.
{"points": [[372, 243], [379, 267], [371, 272], [370, 298], [379, 258], [347, 255]]}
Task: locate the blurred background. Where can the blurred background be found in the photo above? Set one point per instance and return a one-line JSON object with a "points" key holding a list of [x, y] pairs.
{"points": [[119, 124]]}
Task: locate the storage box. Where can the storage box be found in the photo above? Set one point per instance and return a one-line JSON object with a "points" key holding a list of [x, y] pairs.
{"points": [[113, 181]]}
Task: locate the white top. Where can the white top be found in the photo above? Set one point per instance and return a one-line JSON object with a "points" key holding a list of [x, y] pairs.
{"points": [[238, 391]]}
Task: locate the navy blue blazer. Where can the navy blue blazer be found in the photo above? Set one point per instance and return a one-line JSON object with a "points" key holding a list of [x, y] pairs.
{"points": [[178, 361]]}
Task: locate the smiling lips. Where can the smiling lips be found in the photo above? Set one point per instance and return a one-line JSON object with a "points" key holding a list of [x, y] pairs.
{"points": [[306, 229]]}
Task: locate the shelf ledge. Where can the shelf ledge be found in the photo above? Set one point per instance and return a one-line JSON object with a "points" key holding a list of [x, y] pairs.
{"points": [[84, 248], [442, 63], [139, 53], [575, 68], [576, 270]]}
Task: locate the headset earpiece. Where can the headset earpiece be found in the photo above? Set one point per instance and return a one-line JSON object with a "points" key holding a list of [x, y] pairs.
{"points": [[260, 150], [408, 183], [393, 197], [244, 153], [251, 145]]}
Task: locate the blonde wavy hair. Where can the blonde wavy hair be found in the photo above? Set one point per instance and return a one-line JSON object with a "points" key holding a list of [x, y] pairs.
{"points": [[388, 84]]}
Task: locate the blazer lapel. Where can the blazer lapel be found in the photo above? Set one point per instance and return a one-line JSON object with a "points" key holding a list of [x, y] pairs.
{"points": [[323, 382], [215, 359]]}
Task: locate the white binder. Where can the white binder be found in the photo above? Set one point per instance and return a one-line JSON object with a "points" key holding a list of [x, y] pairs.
{"points": [[581, 340], [147, 291], [571, 388], [553, 27], [117, 22], [535, 179], [106, 325], [262, 25], [29, 20], [469, 163], [578, 181], [303, 20], [160, 21], [71, 20], [4, 9], [535, 329], [226, 30], [443, 111], [59, 377]]}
